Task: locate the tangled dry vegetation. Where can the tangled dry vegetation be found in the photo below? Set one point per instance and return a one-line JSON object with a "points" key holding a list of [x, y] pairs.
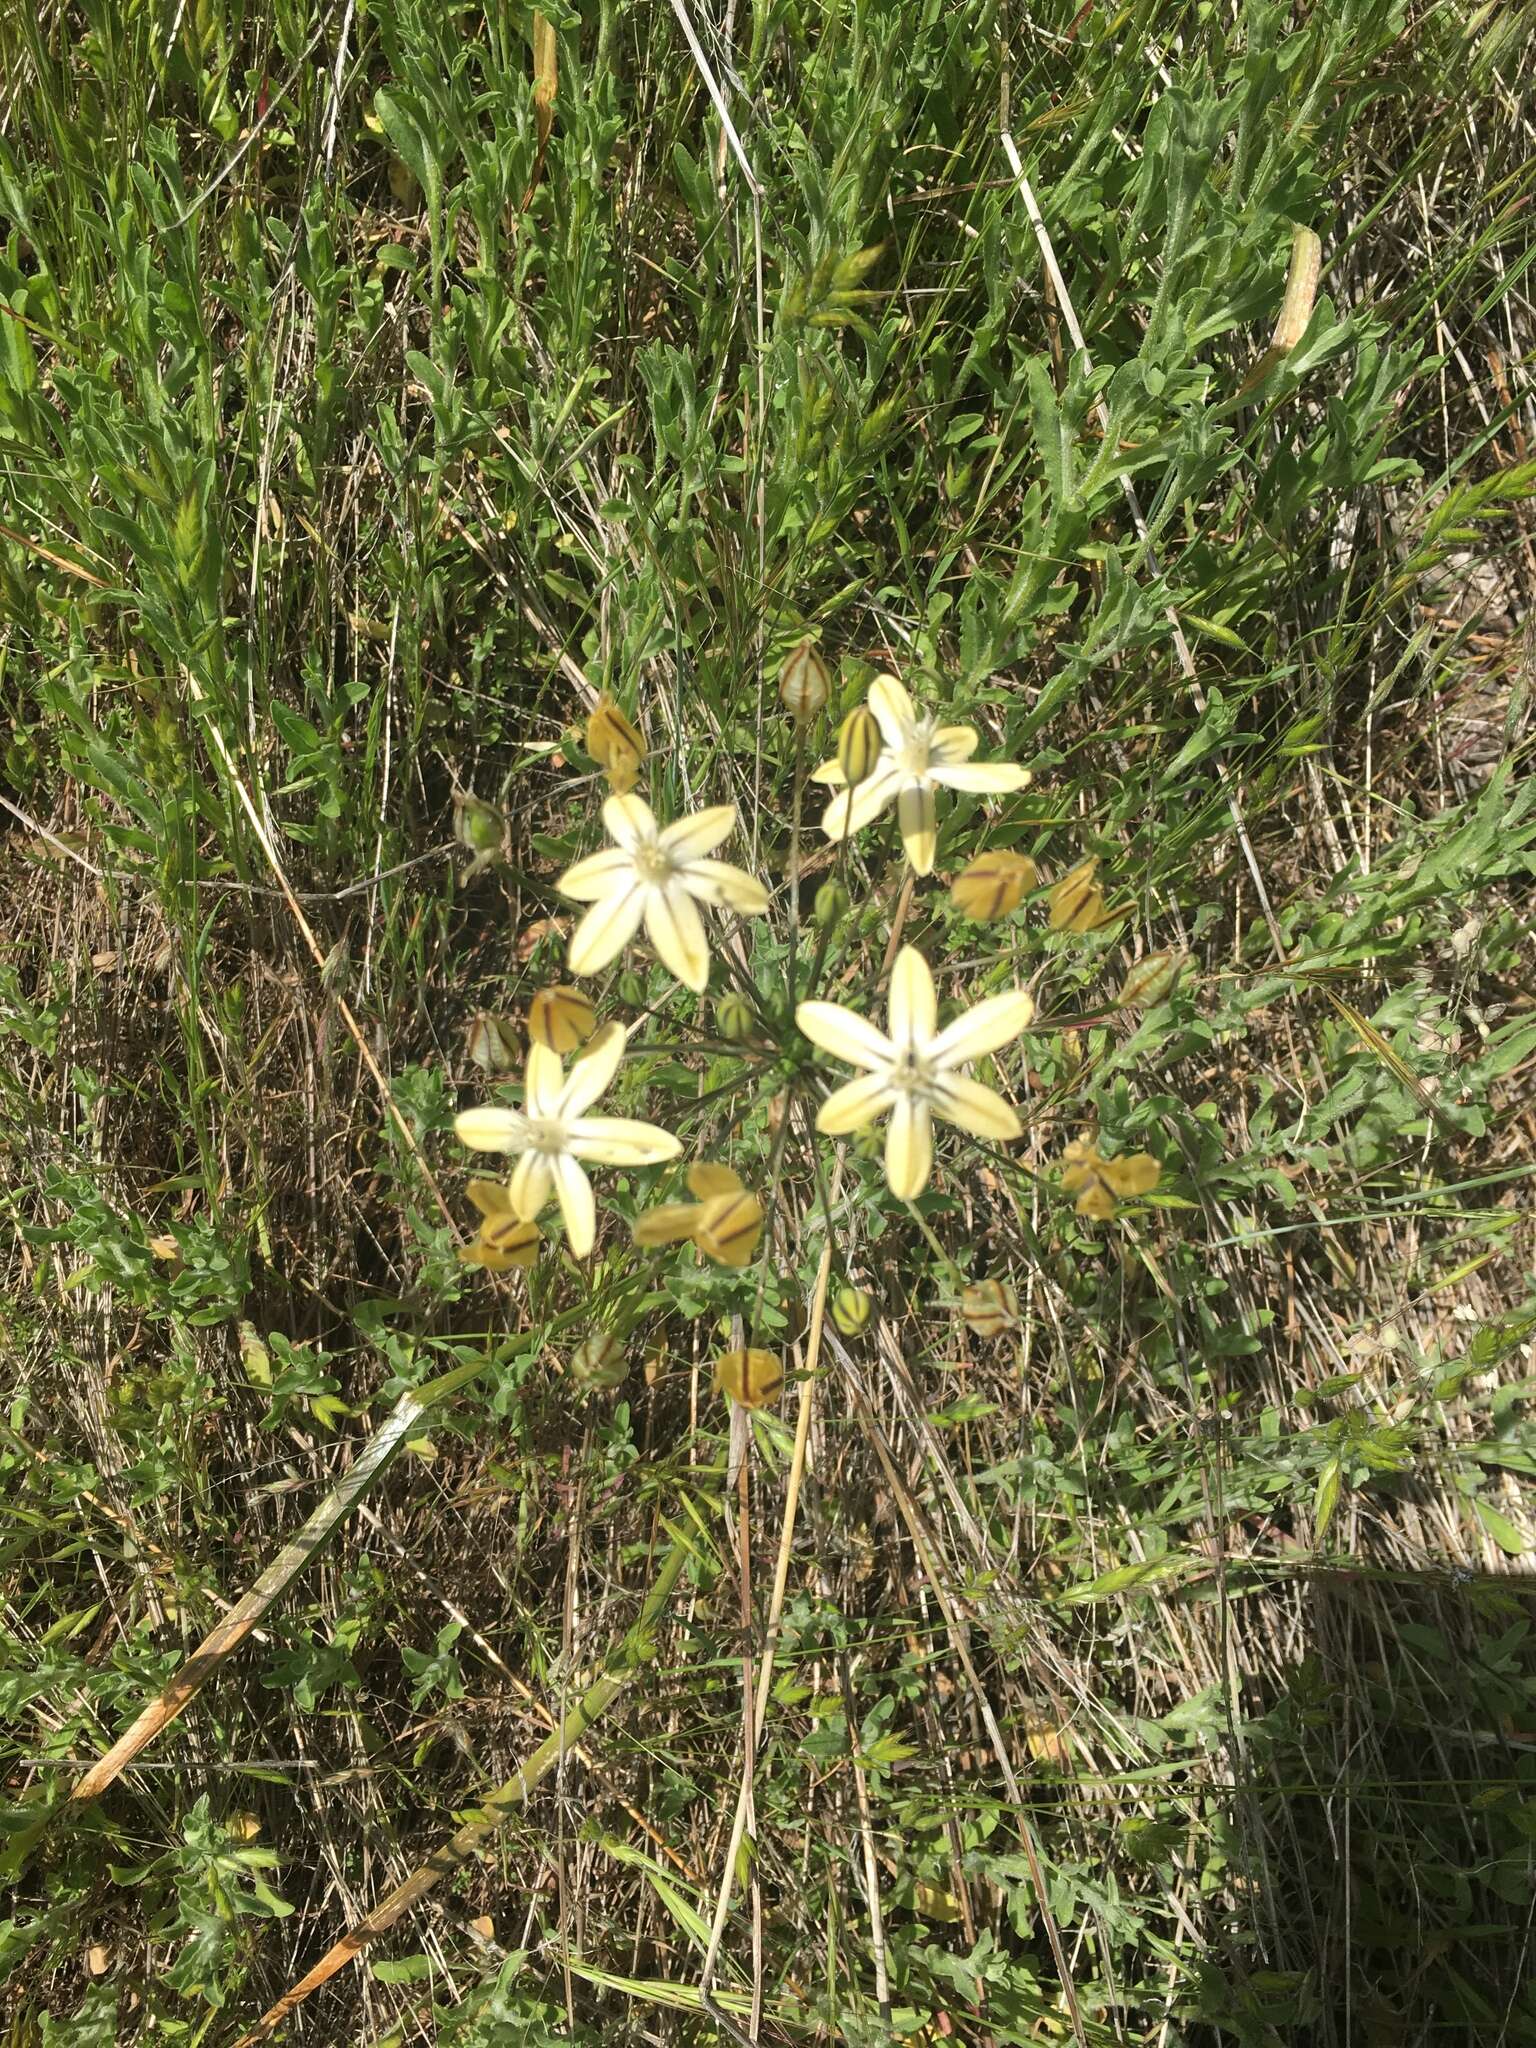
{"points": [[1076, 1593]]}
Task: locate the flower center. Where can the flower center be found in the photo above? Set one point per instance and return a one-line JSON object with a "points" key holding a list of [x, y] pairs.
{"points": [[914, 756], [652, 863], [546, 1134], [912, 1074]]}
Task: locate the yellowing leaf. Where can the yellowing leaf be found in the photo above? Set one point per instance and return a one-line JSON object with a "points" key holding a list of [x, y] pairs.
{"points": [[936, 1902]]}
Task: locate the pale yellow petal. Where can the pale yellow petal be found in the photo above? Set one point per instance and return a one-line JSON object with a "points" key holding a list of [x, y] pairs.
{"points": [[845, 1034], [692, 838], [913, 1008], [491, 1130], [854, 1105], [908, 1148], [666, 1223], [618, 1141], [543, 1080], [592, 1072], [982, 1030], [599, 875], [855, 808], [578, 1210], [916, 814], [953, 743], [708, 1177], [629, 822], [489, 1197], [980, 778], [830, 772], [727, 888], [676, 930], [971, 1107], [531, 1185], [607, 929], [892, 708]]}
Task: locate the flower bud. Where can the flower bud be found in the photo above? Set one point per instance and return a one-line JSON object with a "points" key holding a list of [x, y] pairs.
{"points": [[751, 1378], [858, 745], [868, 1143], [631, 989], [1101, 1184], [805, 682], [993, 885], [614, 744], [1077, 902], [734, 1019], [990, 1307], [1151, 979], [598, 1361], [492, 1044], [503, 1240], [851, 1310], [831, 903], [729, 1228], [561, 1018]]}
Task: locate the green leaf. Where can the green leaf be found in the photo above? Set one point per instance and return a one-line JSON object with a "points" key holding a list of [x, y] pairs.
{"points": [[1500, 1528]]}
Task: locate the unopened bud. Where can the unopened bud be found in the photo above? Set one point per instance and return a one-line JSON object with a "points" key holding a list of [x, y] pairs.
{"points": [[561, 1018], [858, 745], [805, 682], [729, 1227], [993, 885], [614, 744], [1077, 902]]}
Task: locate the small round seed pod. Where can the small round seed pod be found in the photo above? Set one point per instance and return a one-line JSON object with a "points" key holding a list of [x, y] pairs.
{"points": [[1151, 979], [734, 1019], [598, 1361], [476, 826], [831, 903], [851, 1310], [990, 1307], [491, 1043]]}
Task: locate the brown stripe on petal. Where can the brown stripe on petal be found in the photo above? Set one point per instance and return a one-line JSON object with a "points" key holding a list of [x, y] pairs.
{"points": [[729, 1228], [508, 1233]]}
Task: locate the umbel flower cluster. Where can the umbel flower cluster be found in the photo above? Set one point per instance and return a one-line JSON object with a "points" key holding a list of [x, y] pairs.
{"points": [[667, 880]]}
